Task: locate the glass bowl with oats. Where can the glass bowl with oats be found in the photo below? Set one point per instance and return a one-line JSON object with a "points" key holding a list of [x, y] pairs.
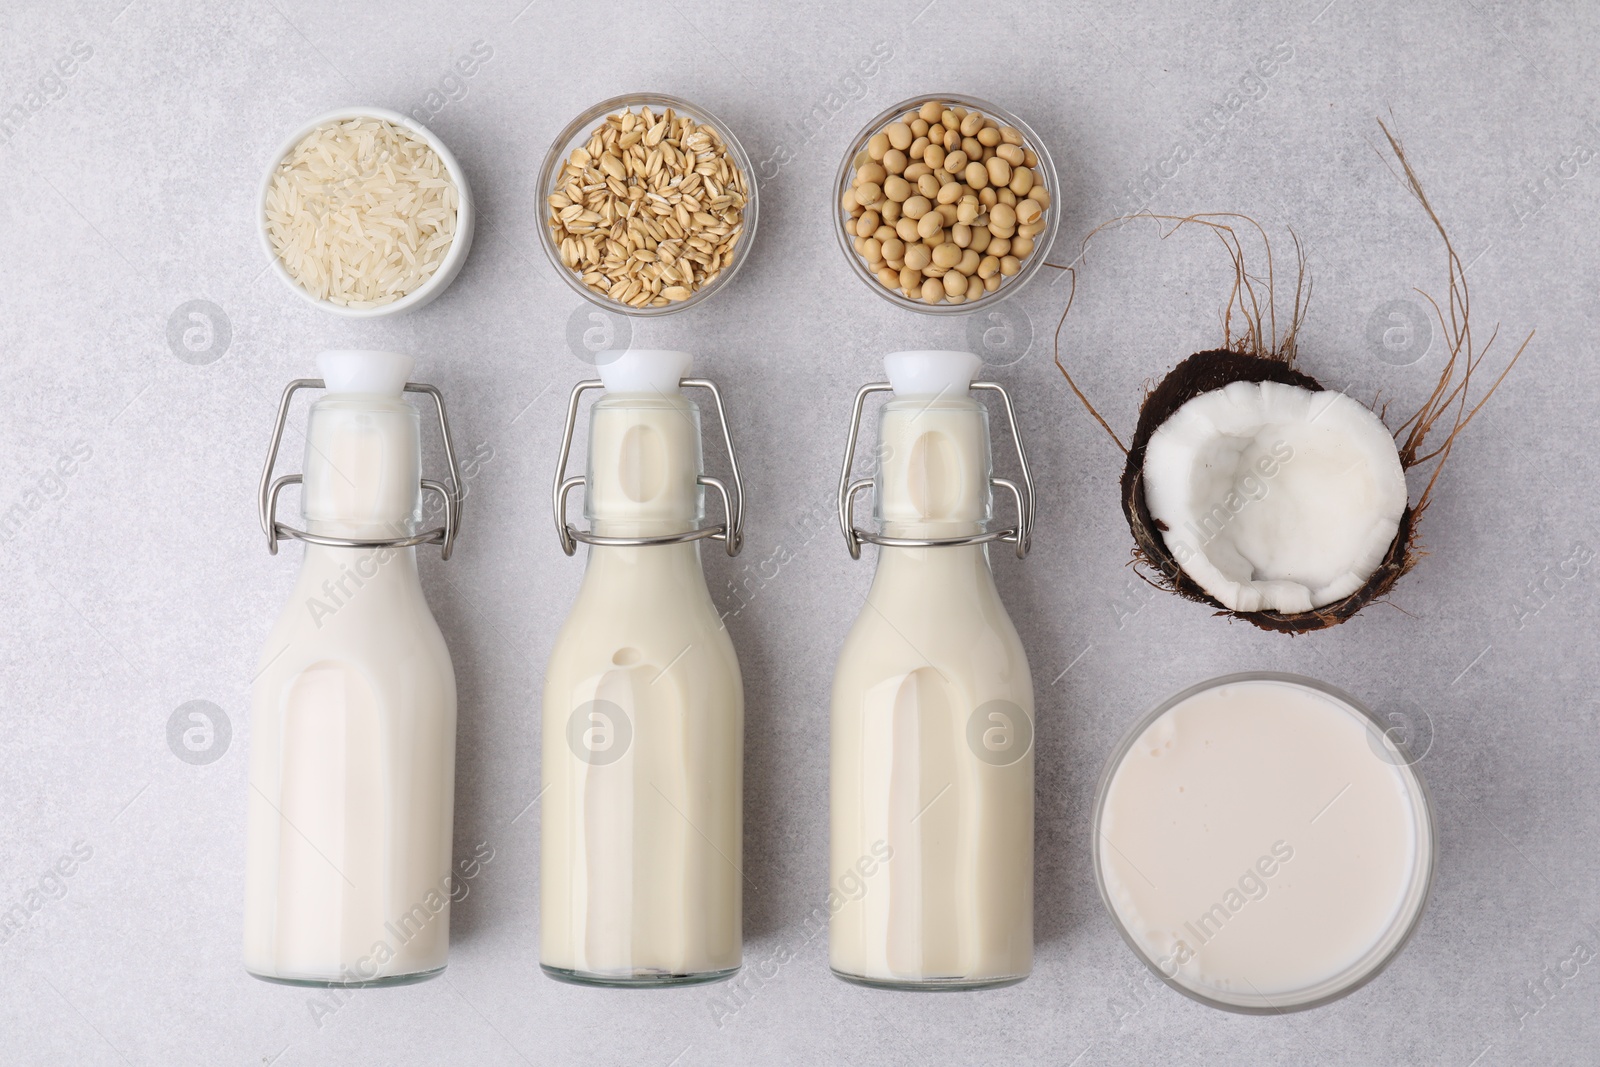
{"points": [[650, 204], [946, 204]]}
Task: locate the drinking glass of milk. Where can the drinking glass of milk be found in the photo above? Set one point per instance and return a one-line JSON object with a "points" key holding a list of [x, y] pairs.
{"points": [[932, 723], [353, 710], [643, 735], [1264, 842]]}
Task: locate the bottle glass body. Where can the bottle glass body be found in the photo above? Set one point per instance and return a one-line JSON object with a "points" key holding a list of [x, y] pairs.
{"points": [[931, 788], [643, 729], [353, 725]]}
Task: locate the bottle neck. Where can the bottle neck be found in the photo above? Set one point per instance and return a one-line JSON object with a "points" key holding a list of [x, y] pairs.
{"points": [[637, 562], [365, 588], [644, 459], [632, 585], [934, 477], [960, 566], [365, 565], [362, 468]]}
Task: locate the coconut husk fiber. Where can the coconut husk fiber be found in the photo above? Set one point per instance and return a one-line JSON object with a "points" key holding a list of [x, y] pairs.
{"points": [[1254, 351]]}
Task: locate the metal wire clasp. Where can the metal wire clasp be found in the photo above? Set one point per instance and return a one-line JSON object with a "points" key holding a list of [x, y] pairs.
{"points": [[730, 532], [444, 536], [1020, 535]]}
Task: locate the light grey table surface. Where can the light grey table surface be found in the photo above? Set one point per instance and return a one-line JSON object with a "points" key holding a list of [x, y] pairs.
{"points": [[140, 582]]}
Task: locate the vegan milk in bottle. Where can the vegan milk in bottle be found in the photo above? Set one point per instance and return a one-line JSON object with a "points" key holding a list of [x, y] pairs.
{"points": [[641, 825], [353, 710], [932, 724]]}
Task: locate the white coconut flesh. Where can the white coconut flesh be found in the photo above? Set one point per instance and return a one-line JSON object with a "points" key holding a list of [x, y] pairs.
{"points": [[1273, 497]]}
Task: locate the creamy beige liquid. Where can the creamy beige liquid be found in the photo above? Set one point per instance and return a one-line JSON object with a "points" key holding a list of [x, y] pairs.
{"points": [[1263, 845], [932, 727], [353, 716], [643, 736]]}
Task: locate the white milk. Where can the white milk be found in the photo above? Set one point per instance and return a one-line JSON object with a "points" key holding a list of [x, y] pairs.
{"points": [[1263, 845], [643, 740], [353, 715], [932, 725]]}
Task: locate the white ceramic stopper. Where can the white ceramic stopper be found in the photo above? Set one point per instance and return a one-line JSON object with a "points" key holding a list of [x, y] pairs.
{"points": [[365, 371], [643, 370], [931, 372]]}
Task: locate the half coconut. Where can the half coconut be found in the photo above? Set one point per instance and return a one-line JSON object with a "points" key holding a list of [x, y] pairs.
{"points": [[1250, 487]]}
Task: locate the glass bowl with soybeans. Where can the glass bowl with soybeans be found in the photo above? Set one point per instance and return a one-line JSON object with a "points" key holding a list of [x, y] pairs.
{"points": [[945, 203], [650, 204]]}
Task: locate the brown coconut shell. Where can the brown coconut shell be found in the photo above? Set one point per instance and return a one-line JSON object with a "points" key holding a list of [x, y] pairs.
{"points": [[1261, 355], [1205, 372]]}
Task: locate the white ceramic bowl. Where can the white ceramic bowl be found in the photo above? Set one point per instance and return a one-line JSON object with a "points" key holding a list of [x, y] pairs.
{"points": [[454, 256]]}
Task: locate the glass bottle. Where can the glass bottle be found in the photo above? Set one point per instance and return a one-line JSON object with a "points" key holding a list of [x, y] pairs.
{"points": [[643, 736], [932, 724], [353, 709]]}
